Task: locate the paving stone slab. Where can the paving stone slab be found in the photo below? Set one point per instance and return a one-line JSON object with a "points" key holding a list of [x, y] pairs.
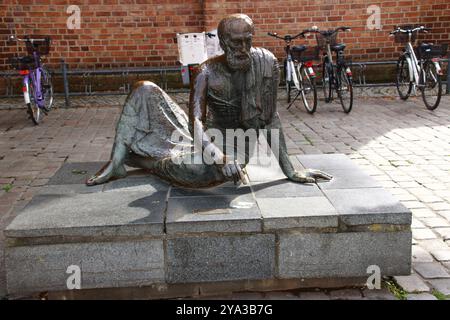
{"points": [[351, 178], [224, 214], [441, 285], [343, 254], [431, 270], [368, 206], [412, 283], [420, 255], [346, 294], [202, 259], [75, 172], [300, 212], [90, 215], [378, 294], [137, 183], [421, 296], [284, 188], [102, 265], [69, 189], [327, 161], [225, 189], [441, 255]]}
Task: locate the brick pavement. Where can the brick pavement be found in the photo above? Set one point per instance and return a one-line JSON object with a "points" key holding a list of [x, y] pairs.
{"points": [[401, 144]]}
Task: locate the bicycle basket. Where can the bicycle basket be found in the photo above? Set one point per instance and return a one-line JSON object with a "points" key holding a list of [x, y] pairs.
{"points": [[401, 37], [22, 63], [310, 54], [432, 51], [42, 47], [323, 40]]}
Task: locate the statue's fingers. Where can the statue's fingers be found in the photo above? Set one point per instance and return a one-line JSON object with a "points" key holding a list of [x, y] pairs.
{"points": [[322, 175], [241, 174], [228, 169], [310, 180]]}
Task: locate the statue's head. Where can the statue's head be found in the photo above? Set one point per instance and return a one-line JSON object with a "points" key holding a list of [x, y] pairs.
{"points": [[235, 35]]}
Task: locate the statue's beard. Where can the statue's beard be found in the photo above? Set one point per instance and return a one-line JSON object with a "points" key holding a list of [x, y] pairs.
{"points": [[238, 61]]}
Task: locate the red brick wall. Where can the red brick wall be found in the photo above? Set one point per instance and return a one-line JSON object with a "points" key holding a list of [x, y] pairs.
{"points": [[141, 32]]}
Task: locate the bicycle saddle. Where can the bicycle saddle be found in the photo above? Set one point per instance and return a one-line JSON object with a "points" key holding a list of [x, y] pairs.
{"points": [[426, 45], [26, 59], [338, 47], [299, 48]]}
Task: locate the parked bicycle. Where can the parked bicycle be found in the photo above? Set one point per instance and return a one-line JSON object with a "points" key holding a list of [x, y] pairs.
{"points": [[37, 84], [422, 71], [299, 72], [337, 76]]}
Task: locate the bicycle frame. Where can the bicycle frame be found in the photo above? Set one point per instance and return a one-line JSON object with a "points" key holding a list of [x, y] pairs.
{"points": [[35, 76], [415, 66], [290, 69]]}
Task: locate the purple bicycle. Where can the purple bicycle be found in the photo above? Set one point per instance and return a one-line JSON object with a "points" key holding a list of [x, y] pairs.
{"points": [[37, 83]]}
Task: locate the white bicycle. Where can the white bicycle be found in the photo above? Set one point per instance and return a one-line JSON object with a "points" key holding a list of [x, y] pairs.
{"points": [[422, 71], [299, 72]]}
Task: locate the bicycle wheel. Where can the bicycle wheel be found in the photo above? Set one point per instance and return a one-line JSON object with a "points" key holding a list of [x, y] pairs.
{"points": [[344, 89], [326, 80], [430, 85], [47, 89], [404, 84], [33, 109], [308, 90]]}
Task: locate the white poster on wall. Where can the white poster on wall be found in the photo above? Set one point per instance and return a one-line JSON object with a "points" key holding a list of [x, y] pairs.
{"points": [[192, 48], [213, 45]]}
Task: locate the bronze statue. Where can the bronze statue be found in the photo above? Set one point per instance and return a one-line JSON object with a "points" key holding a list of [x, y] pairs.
{"points": [[237, 90]]}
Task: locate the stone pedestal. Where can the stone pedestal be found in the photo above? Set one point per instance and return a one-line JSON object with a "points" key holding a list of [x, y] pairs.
{"points": [[272, 234]]}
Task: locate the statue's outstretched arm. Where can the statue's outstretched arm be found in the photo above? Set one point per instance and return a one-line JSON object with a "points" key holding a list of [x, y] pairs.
{"points": [[275, 138]]}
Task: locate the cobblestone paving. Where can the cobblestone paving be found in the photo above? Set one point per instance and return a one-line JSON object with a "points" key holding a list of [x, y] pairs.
{"points": [[401, 144]]}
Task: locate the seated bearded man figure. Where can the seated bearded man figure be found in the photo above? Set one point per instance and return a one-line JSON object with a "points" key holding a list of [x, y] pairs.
{"points": [[237, 90]]}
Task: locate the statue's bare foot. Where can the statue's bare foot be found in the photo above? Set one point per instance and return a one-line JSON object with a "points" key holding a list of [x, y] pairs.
{"points": [[106, 173]]}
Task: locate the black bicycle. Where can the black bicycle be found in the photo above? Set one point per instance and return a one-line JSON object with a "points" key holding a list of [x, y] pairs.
{"points": [[299, 72], [337, 76]]}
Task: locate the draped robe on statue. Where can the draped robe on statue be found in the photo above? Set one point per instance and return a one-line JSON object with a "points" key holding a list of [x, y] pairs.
{"points": [[235, 100]]}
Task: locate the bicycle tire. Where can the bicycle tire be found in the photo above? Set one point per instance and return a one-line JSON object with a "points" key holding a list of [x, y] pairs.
{"points": [[429, 69], [402, 79], [326, 80], [342, 77], [33, 109], [305, 79], [47, 89]]}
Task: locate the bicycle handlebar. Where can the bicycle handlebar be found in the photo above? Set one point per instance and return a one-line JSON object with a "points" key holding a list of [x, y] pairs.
{"points": [[421, 28], [287, 37], [327, 32], [14, 38]]}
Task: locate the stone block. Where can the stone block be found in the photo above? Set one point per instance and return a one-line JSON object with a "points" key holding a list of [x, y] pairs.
{"points": [[368, 206], [222, 214], [343, 254], [102, 265], [201, 259], [300, 212]]}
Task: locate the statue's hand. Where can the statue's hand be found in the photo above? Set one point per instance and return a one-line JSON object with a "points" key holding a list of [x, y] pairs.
{"points": [[309, 176], [232, 169]]}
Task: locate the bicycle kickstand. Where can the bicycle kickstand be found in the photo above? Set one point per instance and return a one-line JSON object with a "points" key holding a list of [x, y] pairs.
{"points": [[292, 102]]}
